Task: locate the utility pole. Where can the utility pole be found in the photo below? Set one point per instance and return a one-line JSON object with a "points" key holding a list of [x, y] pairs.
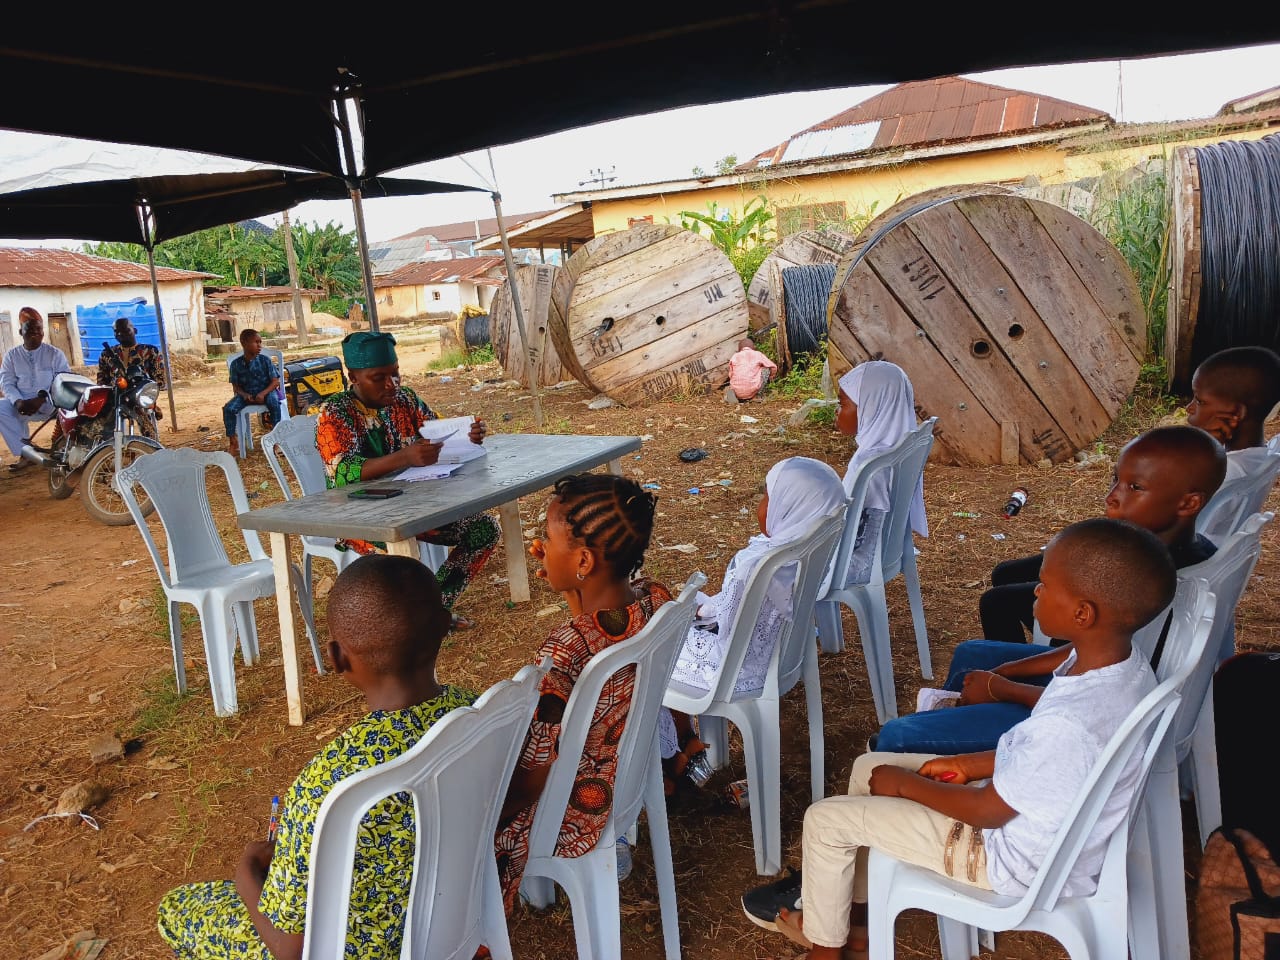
{"points": [[300, 321]]}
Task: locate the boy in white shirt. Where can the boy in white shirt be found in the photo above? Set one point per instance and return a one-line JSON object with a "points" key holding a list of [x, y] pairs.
{"points": [[987, 819], [1233, 392]]}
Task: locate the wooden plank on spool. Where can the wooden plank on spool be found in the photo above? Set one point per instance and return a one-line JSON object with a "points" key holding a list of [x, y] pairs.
{"points": [[534, 283], [991, 321], [965, 433], [648, 312], [779, 312], [1012, 325], [1103, 270], [1058, 295], [1183, 304], [798, 250]]}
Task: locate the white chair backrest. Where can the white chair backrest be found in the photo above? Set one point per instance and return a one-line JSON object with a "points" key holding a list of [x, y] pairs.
{"points": [[295, 438], [1236, 500], [457, 776], [651, 653], [906, 461], [1273, 445], [176, 481], [1188, 651], [809, 556]]}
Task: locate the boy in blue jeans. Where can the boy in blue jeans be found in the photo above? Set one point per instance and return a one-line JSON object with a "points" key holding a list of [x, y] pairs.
{"points": [[386, 621], [254, 379], [987, 819]]}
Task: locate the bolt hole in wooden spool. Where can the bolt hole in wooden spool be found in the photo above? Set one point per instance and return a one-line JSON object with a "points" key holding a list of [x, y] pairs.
{"points": [[1034, 326], [536, 283], [649, 312]]}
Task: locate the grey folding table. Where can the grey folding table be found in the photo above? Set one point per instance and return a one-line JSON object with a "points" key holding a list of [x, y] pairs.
{"points": [[515, 464]]}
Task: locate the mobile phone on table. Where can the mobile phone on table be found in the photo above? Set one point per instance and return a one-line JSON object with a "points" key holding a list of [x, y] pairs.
{"points": [[375, 493]]}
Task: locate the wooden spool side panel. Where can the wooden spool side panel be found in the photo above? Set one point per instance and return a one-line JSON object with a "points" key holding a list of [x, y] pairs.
{"points": [[798, 250], [1103, 270], [1059, 297], [664, 316], [534, 283], [1183, 303], [965, 433], [1012, 333], [558, 318], [779, 302], [907, 267], [881, 220]]}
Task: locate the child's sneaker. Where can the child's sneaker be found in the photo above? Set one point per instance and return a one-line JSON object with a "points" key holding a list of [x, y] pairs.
{"points": [[761, 904], [623, 851]]}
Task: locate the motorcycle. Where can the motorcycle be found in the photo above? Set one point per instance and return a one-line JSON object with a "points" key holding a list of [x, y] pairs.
{"points": [[100, 430]]}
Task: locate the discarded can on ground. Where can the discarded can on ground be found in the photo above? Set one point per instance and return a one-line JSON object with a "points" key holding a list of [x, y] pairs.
{"points": [[699, 769], [1016, 501], [737, 795]]}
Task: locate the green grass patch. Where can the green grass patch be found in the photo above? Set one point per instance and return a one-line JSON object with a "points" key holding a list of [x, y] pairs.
{"points": [[161, 702]]}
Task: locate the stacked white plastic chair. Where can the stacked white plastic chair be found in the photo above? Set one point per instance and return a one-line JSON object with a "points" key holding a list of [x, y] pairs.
{"points": [[756, 713], [199, 571], [591, 880], [457, 775], [895, 555]]}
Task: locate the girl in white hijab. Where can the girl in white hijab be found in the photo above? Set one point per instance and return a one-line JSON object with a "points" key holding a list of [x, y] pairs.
{"points": [[877, 406], [798, 490]]}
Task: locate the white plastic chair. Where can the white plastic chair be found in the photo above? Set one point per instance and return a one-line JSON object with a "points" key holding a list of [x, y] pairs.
{"points": [[895, 554], [756, 713], [591, 880], [244, 420], [199, 571], [1237, 500], [295, 440], [457, 775], [1088, 926]]}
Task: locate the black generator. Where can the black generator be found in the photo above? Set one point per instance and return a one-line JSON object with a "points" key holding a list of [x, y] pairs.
{"points": [[308, 383]]}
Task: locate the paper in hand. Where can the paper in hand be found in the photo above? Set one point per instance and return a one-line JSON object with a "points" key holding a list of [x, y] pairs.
{"points": [[455, 434]]}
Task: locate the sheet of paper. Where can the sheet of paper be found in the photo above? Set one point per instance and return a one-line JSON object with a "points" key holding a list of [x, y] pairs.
{"points": [[433, 472], [455, 432], [445, 428]]}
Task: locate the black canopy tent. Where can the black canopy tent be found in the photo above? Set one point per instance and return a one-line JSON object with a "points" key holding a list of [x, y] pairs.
{"points": [[150, 210]]}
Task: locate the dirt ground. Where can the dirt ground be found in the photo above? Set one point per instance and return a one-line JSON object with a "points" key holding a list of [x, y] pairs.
{"points": [[85, 651]]}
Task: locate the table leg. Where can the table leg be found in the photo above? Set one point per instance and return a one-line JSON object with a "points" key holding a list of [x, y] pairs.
{"points": [[281, 551], [615, 466], [513, 541], [405, 548]]}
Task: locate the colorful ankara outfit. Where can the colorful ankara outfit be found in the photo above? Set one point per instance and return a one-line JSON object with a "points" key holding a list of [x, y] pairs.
{"points": [[209, 921], [251, 376], [145, 354], [570, 648], [348, 433]]}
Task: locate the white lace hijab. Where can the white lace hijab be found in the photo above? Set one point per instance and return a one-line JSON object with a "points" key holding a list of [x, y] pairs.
{"points": [[886, 412]]}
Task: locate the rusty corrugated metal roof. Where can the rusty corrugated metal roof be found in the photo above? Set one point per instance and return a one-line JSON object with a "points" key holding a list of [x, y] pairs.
{"points": [[55, 267], [439, 271], [942, 110], [467, 229], [258, 293]]}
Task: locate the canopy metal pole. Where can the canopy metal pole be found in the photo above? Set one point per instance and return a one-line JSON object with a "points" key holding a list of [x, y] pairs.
{"points": [[346, 106], [144, 217], [515, 302], [363, 243]]}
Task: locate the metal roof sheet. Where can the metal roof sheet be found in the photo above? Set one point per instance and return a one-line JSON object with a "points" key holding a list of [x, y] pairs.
{"points": [[443, 271], [55, 267]]}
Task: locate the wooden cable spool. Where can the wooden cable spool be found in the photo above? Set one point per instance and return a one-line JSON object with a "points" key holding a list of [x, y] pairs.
{"points": [[1183, 303], [648, 311], [798, 250], [1018, 324], [534, 283]]}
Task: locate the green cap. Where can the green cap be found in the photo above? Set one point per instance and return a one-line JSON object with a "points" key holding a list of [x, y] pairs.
{"points": [[363, 350]]}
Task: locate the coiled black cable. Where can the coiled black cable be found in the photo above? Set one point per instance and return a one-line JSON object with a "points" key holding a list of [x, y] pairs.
{"points": [[805, 291], [1239, 246], [475, 331]]}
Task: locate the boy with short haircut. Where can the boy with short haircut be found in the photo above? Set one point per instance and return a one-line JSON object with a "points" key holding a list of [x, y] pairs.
{"points": [[386, 621], [987, 819], [254, 379], [1232, 394], [1163, 479], [749, 372]]}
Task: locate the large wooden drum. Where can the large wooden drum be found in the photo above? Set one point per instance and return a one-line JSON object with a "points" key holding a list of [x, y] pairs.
{"points": [[648, 312], [798, 250], [534, 283], [1183, 303], [1020, 326]]}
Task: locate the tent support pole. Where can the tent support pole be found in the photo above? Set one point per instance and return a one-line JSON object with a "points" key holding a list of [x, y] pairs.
{"points": [[363, 242], [515, 302], [164, 335]]}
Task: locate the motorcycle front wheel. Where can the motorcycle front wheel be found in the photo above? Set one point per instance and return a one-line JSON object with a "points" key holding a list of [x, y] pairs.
{"points": [[97, 487], [59, 487]]}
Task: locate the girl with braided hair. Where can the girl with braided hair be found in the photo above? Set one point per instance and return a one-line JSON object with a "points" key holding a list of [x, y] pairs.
{"points": [[597, 530]]}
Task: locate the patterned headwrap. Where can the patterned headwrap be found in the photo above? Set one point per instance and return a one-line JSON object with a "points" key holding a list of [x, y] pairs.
{"points": [[363, 350]]}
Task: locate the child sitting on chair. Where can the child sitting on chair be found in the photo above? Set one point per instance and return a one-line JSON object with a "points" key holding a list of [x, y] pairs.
{"points": [[1233, 393], [254, 379], [878, 408], [598, 528], [988, 819], [798, 491], [386, 621], [749, 372]]}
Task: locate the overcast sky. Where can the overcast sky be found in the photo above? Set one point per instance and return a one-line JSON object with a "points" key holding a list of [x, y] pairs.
{"points": [[668, 145]]}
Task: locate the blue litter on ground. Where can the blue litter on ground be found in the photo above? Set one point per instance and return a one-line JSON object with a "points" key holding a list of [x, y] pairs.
{"points": [[694, 490], [651, 486]]}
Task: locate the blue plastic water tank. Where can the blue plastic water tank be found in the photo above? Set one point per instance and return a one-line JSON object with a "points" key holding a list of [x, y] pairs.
{"points": [[95, 324]]}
